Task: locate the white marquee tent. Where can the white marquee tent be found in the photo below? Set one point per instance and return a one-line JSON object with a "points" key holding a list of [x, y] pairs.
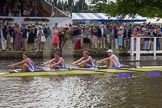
{"points": [[102, 17]]}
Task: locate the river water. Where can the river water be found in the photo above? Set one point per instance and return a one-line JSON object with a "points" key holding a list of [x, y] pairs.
{"points": [[83, 91]]}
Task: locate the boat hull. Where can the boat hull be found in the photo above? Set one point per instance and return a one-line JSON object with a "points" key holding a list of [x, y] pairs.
{"points": [[141, 70]]}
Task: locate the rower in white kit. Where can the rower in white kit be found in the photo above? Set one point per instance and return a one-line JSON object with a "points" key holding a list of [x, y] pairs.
{"points": [[111, 61]]}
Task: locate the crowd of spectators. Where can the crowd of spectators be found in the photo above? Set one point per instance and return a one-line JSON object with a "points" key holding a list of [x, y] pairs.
{"points": [[96, 36], [18, 8]]}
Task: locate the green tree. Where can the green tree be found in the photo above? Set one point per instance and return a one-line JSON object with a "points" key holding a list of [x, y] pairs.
{"points": [[66, 6], [80, 6], [69, 5], [147, 8], [55, 2], [99, 6], [59, 5]]}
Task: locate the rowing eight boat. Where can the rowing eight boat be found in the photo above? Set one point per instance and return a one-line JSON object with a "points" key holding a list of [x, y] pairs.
{"points": [[80, 71]]}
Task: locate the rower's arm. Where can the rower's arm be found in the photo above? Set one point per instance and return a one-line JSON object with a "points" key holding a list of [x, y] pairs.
{"points": [[17, 63], [76, 62], [85, 61], [102, 60], [48, 62], [59, 62]]}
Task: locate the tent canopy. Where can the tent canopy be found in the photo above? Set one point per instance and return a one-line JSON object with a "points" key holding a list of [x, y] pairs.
{"points": [[89, 16], [102, 17]]}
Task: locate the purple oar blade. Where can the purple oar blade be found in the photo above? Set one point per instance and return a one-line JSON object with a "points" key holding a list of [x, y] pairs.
{"points": [[155, 73], [124, 75]]}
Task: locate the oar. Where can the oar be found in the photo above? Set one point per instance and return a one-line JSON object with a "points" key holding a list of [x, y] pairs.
{"points": [[9, 70], [86, 69], [128, 71], [97, 68], [150, 73]]}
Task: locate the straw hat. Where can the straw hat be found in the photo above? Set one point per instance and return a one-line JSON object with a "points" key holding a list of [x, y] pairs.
{"points": [[29, 25]]}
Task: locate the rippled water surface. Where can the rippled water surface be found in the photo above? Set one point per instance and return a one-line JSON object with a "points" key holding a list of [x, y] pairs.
{"points": [[90, 91], [81, 91]]}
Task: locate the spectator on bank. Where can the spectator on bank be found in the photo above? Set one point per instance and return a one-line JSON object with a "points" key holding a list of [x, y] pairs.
{"points": [[10, 38], [134, 34], [7, 33], [24, 31], [49, 38], [120, 37], [102, 35], [111, 28], [108, 34], [86, 38], [40, 38], [44, 28], [71, 35], [55, 38], [76, 37], [17, 38], [113, 36], [31, 38], [157, 33], [67, 35], [126, 37], [151, 35], [94, 33], [61, 37]]}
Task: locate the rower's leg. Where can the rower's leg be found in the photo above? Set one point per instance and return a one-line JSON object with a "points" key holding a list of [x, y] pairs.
{"points": [[86, 65], [25, 68], [111, 63], [106, 63]]}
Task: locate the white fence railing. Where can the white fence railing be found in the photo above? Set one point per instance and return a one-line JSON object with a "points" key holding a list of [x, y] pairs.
{"points": [[150, 45]]}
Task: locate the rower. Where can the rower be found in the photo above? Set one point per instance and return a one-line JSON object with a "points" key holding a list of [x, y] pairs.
{"points": [[27, 64], [57, 62], [111, 61], [86, 61]]}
